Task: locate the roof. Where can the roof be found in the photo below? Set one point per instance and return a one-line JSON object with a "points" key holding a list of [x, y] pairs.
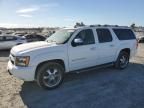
{"points": [[108, 26]]}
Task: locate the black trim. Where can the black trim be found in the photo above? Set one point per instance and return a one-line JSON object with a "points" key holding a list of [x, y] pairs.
{"points": [[93, 68]]}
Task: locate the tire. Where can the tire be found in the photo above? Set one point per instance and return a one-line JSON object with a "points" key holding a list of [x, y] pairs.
{"points": [[50, 75], [122, 60]]}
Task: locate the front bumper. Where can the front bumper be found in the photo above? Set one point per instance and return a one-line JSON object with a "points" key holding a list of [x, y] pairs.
{"points": [[23, 73]]}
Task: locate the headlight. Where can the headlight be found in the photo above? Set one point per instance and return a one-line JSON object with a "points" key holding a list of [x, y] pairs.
{"points": [[22, 61]]}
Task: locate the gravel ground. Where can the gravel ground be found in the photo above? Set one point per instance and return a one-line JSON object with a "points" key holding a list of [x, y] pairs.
{"points": [[101, 88]]}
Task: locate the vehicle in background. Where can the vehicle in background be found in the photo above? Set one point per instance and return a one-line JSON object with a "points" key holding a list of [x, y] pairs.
{"points": [[141, 39], [72, 50], [7, 42], [20, 34], [0, 32], [34, 37]]}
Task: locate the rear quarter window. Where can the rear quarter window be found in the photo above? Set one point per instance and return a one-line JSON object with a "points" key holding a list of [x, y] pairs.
{"points": [[124, 34]]}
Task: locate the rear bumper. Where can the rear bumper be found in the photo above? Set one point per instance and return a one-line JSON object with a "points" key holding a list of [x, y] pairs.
{"points": [[23, 73]]}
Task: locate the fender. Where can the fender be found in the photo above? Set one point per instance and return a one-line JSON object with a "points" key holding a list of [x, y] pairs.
{"points": [[44, 57]]}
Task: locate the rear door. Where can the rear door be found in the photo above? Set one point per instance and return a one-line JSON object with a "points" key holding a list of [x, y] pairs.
{"points": [[106, 48]]}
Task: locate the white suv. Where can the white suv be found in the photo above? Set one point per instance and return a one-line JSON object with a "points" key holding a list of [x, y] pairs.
{"points": [[72, 50]]}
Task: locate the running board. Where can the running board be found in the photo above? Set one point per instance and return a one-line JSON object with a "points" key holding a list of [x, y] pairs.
{"points": [[93, 68]]}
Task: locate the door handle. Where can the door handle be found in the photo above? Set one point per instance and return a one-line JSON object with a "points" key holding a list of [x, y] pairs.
{"points": [[93, 48], [111, 45]]}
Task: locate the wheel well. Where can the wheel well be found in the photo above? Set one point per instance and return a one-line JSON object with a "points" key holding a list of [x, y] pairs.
{"points": [[56, 61], [126, 50]]}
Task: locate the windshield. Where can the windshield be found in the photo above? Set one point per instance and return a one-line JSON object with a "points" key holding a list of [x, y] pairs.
{"points": [[61, 36]]}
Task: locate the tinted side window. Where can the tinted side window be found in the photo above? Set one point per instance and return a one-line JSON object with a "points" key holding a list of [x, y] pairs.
{"points": [[41, 38], [124, 34], [104, 35], [34, 36], [87, 36], [28, 36]]}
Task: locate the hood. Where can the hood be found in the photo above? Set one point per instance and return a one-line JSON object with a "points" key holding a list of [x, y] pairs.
{"points": [[27, 47]]}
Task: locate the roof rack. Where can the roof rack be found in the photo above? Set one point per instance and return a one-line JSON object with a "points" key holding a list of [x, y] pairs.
{"points": [[106, 25]]}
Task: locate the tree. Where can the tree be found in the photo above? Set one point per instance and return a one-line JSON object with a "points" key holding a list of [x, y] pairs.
{"points": [[133, 25], [79, 24]]}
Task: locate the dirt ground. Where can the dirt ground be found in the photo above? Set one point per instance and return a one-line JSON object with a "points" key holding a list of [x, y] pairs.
{"points": [[101, 88]]}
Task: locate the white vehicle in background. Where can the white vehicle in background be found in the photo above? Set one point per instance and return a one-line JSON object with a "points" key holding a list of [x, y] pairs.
{"points": [[71, 50], [7, 42], [141, 39]]}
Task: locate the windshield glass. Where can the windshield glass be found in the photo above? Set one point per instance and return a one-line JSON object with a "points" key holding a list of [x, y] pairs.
{"points": [[60, 36]]}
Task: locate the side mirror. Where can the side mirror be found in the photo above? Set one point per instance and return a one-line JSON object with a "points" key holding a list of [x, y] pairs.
{"points": [[78, 42]]}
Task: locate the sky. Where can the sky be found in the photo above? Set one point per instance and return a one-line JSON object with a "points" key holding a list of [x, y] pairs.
{"points": [[65, 13]]}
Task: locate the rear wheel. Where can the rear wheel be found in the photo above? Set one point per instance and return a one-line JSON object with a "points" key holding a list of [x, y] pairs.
{"points": [[50, 75], [122, 60]]}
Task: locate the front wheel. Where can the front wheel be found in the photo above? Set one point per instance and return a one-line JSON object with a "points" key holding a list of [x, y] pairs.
{"points": [[122, 60], [50, 75]]}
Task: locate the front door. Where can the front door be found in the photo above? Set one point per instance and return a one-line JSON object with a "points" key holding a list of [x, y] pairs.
{"points": [[82, 54]]}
